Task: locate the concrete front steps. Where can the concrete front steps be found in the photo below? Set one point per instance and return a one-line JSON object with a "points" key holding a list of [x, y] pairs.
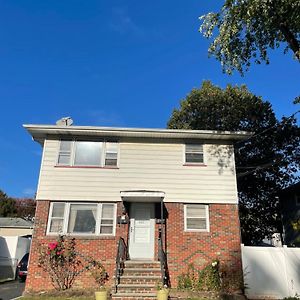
{"points": [[139, 281]]}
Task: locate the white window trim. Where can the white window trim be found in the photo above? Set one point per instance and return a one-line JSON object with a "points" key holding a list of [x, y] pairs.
{"points": [[73, 150], [67, 215], [194, 163], [118, 154], [206, 218]]}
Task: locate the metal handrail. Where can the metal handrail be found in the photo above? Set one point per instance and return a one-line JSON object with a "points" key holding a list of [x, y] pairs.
{"points": [[122, 255], [162, 257]]}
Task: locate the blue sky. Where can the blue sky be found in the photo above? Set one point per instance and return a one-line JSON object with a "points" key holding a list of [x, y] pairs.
{"points": [[108, 63]]}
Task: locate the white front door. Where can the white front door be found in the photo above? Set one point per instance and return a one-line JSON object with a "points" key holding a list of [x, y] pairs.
{"points": [[141, 231]]}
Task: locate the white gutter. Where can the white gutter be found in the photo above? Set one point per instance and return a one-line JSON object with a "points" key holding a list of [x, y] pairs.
{"points": [[40, 132]]}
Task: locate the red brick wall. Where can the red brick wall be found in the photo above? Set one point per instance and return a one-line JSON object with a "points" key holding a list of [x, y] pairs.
{"points": [[102, 248], [199, 248]]}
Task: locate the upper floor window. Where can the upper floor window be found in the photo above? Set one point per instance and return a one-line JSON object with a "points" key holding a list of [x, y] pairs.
{"points": [[88, 153], [196, 217], [82, 218], [194, 154]]}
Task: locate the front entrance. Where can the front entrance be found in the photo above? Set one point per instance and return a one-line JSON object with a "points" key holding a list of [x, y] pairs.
{"points": [[141, 231]]}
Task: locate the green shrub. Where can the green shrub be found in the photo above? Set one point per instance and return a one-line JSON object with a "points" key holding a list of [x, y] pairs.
{"points": [[207, 279]]}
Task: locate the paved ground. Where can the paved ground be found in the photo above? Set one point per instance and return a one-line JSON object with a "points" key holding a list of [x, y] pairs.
{"points": [[11, 289]]}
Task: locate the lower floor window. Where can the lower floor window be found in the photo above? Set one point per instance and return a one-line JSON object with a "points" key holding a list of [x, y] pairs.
{"points": [[196, 217], [82, 218]]}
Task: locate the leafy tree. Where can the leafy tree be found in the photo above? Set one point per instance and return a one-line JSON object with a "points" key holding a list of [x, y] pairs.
{"points": [[265, 163], [15, 207], [25, 208], [7, 206], [247, 28]]}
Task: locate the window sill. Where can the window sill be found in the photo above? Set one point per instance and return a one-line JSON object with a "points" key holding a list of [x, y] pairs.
{"points": [[87, 167], [85, 237], [196, 231], [194, 165]]}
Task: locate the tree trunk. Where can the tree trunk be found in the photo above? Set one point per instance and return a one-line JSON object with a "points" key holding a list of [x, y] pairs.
{"points": [[291, 39]]}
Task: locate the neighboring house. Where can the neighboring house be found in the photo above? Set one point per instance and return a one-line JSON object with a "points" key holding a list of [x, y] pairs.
{"points": [[158, 189], [290, 204], [15, 240], [15, 227]]}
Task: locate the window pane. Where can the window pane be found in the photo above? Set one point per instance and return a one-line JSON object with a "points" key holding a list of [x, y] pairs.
{"points": [[88, 153], [65, 145], [64, 159], [193, 148], [195, 211], [82, 218], [111, 162], [194, 157], [196, 223], [111, 147], [194, 153], [58, 210], [106, 230], [107, 211], [111, 155], [56, 225], [107, 222]]}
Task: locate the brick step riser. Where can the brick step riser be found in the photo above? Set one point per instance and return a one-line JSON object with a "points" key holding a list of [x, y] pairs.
{"points": [[144, 280], [137, 290], [146, 266], [141, 273]]}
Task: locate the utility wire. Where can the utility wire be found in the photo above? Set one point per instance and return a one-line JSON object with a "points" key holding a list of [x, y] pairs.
{"points": [[261, 167], [267, 129]]}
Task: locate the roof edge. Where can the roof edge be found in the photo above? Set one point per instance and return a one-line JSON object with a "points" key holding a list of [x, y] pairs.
{"points": [[40, 132]]}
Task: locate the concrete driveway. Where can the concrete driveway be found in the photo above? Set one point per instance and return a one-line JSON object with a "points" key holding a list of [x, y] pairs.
{"points": [[11, 289]]}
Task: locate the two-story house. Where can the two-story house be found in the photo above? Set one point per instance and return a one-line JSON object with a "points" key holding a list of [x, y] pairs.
{"points": [[165, 193]]}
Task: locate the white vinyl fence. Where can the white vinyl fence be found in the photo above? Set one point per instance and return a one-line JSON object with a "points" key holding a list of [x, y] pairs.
{"points": [[271, 272], [12, 249]]}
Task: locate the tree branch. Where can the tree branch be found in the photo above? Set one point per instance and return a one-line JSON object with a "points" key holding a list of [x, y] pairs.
{"points": [[291, 39]]}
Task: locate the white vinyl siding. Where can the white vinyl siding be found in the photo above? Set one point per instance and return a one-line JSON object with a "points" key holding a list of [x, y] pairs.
{"points": [[87, 153], [143, 166], [196, 217], [82, 218], [194, 154]]}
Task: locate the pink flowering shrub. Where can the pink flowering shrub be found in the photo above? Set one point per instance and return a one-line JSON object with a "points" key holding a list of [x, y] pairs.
{"points": [[61, 262]]}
